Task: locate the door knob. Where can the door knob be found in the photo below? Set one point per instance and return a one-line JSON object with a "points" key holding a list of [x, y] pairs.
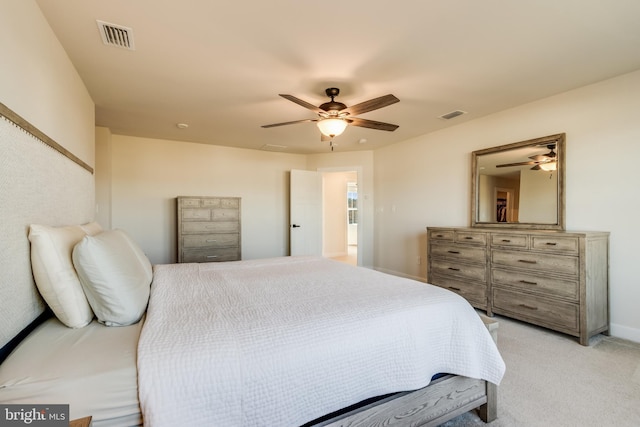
{"points": [[295, 226]]}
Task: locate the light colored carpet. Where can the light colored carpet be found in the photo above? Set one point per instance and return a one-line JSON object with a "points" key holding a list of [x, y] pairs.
{"points": [[551, 380]]}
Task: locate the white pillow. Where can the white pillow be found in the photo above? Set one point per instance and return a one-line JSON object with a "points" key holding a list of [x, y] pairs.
{"points": [[115, 275], [54, 274]]}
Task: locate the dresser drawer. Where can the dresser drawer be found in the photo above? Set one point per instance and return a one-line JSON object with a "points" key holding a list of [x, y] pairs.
{"points": [[536, 283], [211, 203], [472, 291], [210, 240], [190, 203], [209, 255], [443, 267], [466, 253], [230, 203], [196, 214], [210, 227], [225, 214], [471, 237], [441, 235], [555, 314], [510, 240], [568, 245], [536, 261]]}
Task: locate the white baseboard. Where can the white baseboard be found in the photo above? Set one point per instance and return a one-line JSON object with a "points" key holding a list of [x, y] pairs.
{"points": [[624, 332]]}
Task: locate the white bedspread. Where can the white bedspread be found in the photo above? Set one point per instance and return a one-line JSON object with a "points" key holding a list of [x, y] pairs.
{"points": [[282, 341]]}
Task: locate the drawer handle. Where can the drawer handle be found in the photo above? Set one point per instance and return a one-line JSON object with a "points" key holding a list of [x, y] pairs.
{"points": [[526, 261], [506, 240], [211, 240], [454, 252], [551, 244], [439, 235], [469, 238], [528, 307], [528, 283], [454, 269], [454, 289], [212, 256]]}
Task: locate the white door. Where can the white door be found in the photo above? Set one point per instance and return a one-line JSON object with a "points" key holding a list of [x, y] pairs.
{"points": [[305, 213]]}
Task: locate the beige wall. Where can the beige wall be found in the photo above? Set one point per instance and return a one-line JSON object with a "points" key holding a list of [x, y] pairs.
{"points": [[38, 81], [145, 176], [148, 174], [433, 186]]}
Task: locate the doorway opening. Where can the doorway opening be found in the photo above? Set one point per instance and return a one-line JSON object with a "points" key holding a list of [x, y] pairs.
{"points": [[341, 216]]}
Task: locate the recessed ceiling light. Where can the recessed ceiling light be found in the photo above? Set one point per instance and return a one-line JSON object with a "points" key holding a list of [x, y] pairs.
{"points": [[182, 125]]}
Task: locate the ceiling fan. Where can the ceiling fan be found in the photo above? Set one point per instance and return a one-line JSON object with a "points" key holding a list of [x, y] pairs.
{"points": [[546, 162], [334, 116]]}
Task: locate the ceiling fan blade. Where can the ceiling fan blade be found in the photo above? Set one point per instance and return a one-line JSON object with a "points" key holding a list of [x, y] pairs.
{"points": [[305, 104], [372, 124], [516, 164], [544, 157], [370, 105], [289, 123]]}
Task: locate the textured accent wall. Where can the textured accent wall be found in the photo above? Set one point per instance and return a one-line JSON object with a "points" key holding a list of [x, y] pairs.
{"points": [[37, 185]]}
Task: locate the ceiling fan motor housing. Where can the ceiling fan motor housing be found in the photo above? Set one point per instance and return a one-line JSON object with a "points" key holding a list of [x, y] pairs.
{"points": [[332, 105]]}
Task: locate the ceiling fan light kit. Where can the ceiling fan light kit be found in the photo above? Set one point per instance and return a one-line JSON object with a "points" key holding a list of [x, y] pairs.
{"points": [[332, 127], [548, 167]]}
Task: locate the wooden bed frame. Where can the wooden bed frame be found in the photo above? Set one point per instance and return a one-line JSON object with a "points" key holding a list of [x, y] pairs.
{"points": [[442, 400]]}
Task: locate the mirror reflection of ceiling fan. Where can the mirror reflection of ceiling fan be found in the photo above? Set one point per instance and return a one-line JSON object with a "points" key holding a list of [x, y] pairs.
{"points": [[545, 162], [334, 117]]}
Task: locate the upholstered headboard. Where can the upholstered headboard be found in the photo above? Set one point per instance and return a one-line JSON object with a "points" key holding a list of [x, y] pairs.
{"points": [[40, 183]]}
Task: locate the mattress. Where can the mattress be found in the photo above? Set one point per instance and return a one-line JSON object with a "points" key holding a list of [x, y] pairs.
{"points": [[93, 369], [283, 341]]}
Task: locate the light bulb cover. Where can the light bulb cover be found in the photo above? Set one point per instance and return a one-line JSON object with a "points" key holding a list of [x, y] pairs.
{"points": [[332, 127], [549, 166]]}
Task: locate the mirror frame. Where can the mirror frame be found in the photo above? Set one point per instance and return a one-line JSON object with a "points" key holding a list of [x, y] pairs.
{"points": [[560, 151]]}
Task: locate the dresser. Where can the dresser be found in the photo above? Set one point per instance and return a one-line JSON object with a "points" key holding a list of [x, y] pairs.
{"points": [[555, 279], [208, 229]]}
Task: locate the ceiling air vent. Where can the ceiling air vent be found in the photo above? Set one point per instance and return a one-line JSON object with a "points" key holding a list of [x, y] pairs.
{"points": [[452, 114], [273, 147], [116, 35]]}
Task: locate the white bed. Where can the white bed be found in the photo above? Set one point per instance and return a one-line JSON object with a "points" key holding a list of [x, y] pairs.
{"points": [[274, 342], [283, 341]]}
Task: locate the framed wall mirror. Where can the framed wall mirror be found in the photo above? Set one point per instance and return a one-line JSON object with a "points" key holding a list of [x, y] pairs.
{"points": [[520, 185]]}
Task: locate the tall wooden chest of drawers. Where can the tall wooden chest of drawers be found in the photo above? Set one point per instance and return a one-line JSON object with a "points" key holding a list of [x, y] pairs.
{"points": [[558, 280], [208, 229]]}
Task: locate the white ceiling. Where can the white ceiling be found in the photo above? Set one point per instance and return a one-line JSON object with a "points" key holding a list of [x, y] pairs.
{"points": [[219, 65]]}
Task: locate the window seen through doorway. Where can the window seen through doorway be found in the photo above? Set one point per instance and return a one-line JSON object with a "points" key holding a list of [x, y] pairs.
{"points": [[352, 202]]}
